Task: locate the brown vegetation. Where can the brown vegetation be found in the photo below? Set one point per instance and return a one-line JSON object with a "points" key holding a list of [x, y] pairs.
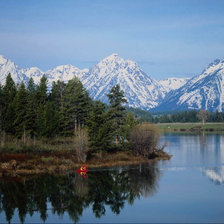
{"points": [[144, 139], [59, 162], [81, 145]]}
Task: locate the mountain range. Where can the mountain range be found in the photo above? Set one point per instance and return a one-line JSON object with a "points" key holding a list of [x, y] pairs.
{"points": [[204, 91]]}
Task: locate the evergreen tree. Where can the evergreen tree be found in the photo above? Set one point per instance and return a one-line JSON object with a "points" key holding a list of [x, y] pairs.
{"points": [[21, 104], [56, 107], [51, 119], [57, 92], [74, 108], [31, 88], [116, 111], [40, 100], [99, 128], [31, 109], [8, 110]]}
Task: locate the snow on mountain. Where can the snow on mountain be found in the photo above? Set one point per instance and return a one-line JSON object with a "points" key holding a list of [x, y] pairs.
{"points": [[139, 89], [65, 73], [33, 72], [205, 91], [173, 83], [6, 67]]}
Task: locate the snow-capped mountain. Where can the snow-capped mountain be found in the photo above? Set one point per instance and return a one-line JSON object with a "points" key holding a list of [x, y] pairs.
{"points": [[173, 83], [140, 90], [62, 72], [65, 73], [205, 91], [6, 67]]}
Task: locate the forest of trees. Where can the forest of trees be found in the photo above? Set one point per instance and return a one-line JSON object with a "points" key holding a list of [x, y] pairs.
{"points": [[177, 116], [31, 111], [189, 116]]}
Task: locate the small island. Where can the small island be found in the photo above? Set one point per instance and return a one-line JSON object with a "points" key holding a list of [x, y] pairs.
{"points": [[57, 130]]}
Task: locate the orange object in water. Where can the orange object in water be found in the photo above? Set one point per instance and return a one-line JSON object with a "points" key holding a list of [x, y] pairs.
{"points": [[82, 171]]}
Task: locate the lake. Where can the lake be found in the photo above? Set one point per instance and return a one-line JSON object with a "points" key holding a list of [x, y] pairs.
{"points": [[187, 188]]}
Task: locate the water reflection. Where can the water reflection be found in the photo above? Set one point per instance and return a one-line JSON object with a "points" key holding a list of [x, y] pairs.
{"points": [[72, 193], [206, 152], [215, 174]]}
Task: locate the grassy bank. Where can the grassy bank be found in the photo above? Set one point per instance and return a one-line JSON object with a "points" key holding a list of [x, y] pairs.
{"points": [[191, 127]]}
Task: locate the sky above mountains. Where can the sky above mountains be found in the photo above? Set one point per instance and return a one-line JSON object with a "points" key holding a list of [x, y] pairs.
{"points": [[166, 38]]}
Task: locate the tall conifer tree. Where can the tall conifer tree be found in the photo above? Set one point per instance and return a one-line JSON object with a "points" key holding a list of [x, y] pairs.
{"points": [[9, 92], [21, 104], [74, 108], [99, 128], [41, 99], [117, 111], [31, 114]]}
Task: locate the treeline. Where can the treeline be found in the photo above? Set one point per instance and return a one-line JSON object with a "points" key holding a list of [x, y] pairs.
{"points": [[190, 116], [176, 116], [29, 112]]}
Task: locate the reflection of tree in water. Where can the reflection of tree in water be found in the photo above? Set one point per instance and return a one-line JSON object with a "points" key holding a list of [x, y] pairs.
{"points": [[72, 193]]}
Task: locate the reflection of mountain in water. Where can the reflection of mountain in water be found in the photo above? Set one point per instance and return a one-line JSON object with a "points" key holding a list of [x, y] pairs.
{"points": [[72, 193], [191, 150], [215, 174]]}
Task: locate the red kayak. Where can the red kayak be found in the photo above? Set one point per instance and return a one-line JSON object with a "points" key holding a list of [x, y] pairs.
{"points": [[82, 171]]}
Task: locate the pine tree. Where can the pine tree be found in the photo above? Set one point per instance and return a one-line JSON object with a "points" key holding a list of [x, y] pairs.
{"points": [[21, 104], [40, 100], [57, 92], [51, 120], [31, 109], [99, 128], [117, 111], [56, 96], [74, 108], [8, 110]]}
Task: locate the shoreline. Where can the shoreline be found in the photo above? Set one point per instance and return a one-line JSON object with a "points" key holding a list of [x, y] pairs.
{"points": [[32, 164]]}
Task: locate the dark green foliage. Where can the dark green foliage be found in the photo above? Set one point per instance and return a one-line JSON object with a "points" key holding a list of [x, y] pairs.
{"points": [[74, 107], [41, 93], [184, 116], [21, 106], [40, 101], [31, 109], [8, 94], [99, 128], [51, 120], [141, 115], [117, 112]]}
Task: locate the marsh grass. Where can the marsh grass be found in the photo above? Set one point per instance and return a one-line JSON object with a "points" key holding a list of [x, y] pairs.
{"points": [[11, 144]]}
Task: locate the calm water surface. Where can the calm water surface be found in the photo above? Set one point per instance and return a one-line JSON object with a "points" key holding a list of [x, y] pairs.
{"points": [[188, 188]]}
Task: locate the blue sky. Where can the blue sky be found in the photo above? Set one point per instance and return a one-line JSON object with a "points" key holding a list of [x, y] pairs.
{"points": [[166, 38]]}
